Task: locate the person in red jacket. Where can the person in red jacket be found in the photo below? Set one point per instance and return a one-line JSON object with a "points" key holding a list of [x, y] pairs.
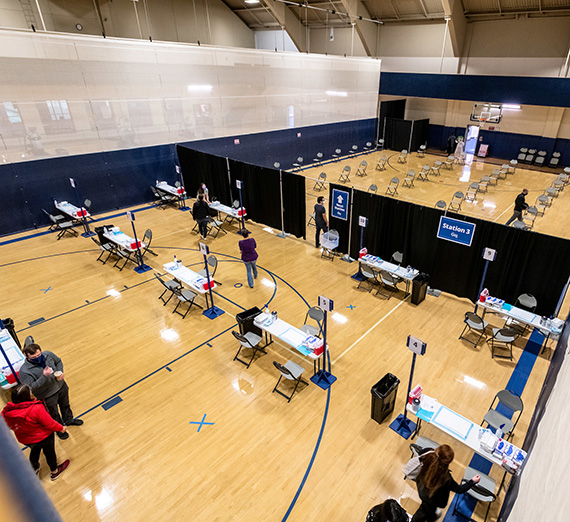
{"points": [[34, 427]]}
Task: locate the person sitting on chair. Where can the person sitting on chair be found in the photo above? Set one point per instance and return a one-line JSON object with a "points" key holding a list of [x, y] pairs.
{"points": [[201, 214]]}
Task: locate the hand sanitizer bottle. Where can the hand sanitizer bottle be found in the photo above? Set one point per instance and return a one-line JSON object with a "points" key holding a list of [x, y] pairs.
{"points": [[175, 260]]}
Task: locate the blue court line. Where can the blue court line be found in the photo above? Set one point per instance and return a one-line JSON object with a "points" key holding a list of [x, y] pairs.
{"points": [[36, 321], [516, 385], [113, 402], [311, 462]]}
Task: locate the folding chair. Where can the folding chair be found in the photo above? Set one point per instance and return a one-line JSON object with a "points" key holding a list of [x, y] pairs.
{"points": [[455, 203], [441, 205], [503, 338], [146, 240], [381, 165], [554, 160], [388, 281], [448, 163], [329, 242], [496, 175], [530, 216], [291, 372], [337, 155], [317, 315], [249, 341], [361, 170], [344, 175], [212, 267], [409, 179], [373, 189], [422, 443], [87, 206], [320, 183], [169, 287], [482, 492], [397, 258], [58, 217], [558, 186], [299, 164], [530, 156], [29, 340], [424, 173], [125, 255], [472, 192], [184, 296], [392, 189], [519, 224], [436, 167], [62, 227], [540, 158], [522, 154], [476, 324], [541, 204], [215, 225], [495, 418], [403, 157], [370, 277], [318, 159], [483, 184], [512, 166], [312, 222], [106, 248], [421, 151]]}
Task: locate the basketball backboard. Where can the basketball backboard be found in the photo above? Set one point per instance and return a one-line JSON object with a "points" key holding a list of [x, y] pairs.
{"points": [[487, 112]]}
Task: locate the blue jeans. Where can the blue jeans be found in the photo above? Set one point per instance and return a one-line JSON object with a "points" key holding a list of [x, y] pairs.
{"points": [[250, 267]]}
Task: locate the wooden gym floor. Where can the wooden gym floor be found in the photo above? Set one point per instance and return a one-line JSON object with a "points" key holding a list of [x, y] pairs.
{"points": [[318, 457]]}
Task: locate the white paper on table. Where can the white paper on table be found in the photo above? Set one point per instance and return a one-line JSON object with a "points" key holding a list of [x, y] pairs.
{"points": [[429, 404], [451, 421], [293, 337]]}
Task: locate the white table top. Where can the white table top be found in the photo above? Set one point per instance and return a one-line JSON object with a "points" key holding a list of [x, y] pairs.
{"points": [[527, 317], [289, 334], [188, 277], [454, 424], [69, 209], [13, 352], [162, 185], [216, 205], [120, 238], [379, 264]]}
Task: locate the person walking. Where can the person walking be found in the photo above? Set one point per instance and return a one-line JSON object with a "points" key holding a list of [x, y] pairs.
{"points": [[435, 483], [201, 214], [249, 256], [43, 373], [520, 207], [321, 221], [34, 427]]}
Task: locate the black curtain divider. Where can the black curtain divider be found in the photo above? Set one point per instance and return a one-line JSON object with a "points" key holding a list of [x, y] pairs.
{"points": [[398, 133], [340, 225], [198, 167], [527, 262], [294, 204], [420, 134], [260, 192]]}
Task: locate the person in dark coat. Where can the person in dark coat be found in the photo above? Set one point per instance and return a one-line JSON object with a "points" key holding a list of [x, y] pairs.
{"points": [[320, 220], [451, 141], [435, 483], [520, 206], [249, 256], [34, 427], [201, 214]]}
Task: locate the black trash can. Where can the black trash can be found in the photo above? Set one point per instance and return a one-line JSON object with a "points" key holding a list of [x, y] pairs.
{"points": [[9, 325], [384, 397], [245, 321], [419, 288]]}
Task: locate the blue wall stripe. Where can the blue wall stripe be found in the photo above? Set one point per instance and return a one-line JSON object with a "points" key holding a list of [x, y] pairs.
{"points": [[516, 385]]}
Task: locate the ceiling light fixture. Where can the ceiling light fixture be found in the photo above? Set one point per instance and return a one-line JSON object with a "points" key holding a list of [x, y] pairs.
{"points": [[252, 2]]}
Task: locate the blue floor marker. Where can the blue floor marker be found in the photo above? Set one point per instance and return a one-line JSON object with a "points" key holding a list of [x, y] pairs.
{"points": [[168, 369], [238, 285], [113, 402], [517, 382], [352, 307], [36, 321], [46, 290], [202, 423], [208, 344]]}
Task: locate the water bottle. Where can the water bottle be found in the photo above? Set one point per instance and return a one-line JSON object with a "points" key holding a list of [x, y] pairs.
{"points": [[499, 432], [175, 261], [3, 380]]}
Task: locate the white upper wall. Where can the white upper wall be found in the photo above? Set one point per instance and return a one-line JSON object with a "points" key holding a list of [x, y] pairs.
{"points": [[271, 40]]}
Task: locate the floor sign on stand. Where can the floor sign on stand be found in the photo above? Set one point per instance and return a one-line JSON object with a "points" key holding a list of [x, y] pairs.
{"points": [[141, 268], [324, 378], [213, 311]]}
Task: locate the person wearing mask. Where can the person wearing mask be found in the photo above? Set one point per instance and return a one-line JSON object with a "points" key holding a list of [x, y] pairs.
{"points": [[43, 373], [204, 190], [34, 427], [249, 256], [435, 483], [520, 207], [320, 220], [201, 214]]}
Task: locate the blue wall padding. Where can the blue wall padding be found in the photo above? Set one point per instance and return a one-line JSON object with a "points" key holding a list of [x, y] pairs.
{"points": [[522, 90], [284, 147]]}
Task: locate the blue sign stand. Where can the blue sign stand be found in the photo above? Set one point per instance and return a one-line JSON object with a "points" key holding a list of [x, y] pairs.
{"points": [[88, 232], [183, 207], [362, 221], [488, 255], [238, 185], [213, 311], [324, 378], [402, 425], [141, 268]]}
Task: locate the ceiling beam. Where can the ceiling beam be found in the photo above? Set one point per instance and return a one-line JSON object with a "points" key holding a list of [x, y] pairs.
{"points": [[453, 11], [289, 22], [366, 30]]}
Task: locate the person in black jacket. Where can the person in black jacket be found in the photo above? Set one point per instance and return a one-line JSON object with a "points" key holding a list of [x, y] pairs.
{"points": [[520, 206], [201, 214], [435, 483], [388, 511]]}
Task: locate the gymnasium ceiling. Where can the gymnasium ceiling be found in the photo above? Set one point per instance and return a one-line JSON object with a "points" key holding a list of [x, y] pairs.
{"points": [[267, 14]]}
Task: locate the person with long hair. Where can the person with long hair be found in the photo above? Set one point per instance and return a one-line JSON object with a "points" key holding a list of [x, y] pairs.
{"points": [[435, 483], [249, 256], [34, 427]]}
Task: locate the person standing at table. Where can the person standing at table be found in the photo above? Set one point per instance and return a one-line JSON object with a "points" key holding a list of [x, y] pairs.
{"points": [[321, 222], [204, 190], [520, 207], [249, 256], [34, 427], [43, 373], [201, 214], [435, 483]]}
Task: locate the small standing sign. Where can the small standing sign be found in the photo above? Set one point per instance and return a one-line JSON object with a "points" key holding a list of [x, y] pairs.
{"points": [[324, 378]]}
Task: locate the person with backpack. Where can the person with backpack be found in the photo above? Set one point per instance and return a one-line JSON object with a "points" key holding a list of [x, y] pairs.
{"points": [[435, 482], [34, 427]]}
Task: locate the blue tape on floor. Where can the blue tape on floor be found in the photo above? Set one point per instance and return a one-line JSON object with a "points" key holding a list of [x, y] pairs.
{"points": [[36, 321], [168, 369], [113, 402], [516, 385]]}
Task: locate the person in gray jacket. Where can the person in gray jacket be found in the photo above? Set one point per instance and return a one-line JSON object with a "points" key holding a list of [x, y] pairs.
{"points": [[43, 373]]}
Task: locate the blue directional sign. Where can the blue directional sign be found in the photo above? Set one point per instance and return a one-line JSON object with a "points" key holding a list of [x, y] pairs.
{"points": [[340, 204], [457, 231]]}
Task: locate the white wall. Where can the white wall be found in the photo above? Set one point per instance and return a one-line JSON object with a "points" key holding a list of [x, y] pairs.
{"points": [[271, 40], [128, 93], [343, 43]]}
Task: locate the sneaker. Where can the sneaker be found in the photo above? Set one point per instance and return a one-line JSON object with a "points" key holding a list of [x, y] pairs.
{"points": [[75, 422], [62, 434], [437, 512], [60, 469], [36, 468]]}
